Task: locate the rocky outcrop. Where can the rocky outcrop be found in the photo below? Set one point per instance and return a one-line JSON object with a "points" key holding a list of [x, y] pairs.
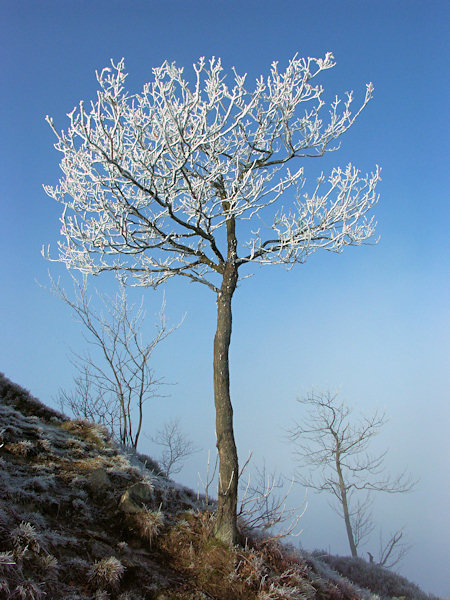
{"points": [[136, 498]]}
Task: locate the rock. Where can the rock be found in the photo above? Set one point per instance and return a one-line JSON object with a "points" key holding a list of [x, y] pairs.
{"points": [[135, 498], [98, 480]]}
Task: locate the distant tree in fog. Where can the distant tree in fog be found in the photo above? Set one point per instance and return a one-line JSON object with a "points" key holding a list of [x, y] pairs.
{"points": [[331, 449], [176, 447]]}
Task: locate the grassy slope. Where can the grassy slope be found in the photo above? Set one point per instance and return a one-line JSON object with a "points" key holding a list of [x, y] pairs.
{"points": [[64, 533]]}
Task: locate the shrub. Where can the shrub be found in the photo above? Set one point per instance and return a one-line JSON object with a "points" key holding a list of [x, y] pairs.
{"points": [[377, 579]]}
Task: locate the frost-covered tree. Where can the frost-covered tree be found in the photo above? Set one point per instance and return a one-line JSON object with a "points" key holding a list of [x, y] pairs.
{"points": [[174, 181]]}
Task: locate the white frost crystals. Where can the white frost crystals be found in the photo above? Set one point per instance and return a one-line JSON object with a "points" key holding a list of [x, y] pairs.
{"points": [[150, 178]]}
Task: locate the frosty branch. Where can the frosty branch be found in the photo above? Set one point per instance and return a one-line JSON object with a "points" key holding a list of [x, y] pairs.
{"points": [[151, 178]]}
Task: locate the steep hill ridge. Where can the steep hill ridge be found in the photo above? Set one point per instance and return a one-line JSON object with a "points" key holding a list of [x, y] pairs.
{"points": [[81, 519]]}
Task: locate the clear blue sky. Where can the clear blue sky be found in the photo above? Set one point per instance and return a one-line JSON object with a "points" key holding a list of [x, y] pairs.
{"points": [[373, 321]]}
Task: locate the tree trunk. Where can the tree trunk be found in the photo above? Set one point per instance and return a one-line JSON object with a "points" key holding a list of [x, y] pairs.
{"points": [[226, 520], [348, 525], [225, 526]]}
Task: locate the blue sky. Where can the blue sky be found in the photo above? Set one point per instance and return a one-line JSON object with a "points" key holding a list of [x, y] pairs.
{"points": [[372, 321]]}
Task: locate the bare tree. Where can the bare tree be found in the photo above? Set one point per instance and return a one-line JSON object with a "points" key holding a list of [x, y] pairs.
{"points": [[176, 447], [264, 504], [112, 387], [173, 181], [392, 550], [334, 450]]}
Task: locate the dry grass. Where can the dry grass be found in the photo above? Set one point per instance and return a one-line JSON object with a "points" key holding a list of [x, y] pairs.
{"points": [[27, 590], [25, 537], [267, 572], [107, 573], [22, 448], [89, 432], [147, 524]]}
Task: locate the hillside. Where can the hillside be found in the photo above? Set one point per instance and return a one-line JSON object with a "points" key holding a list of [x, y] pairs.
{"points": [[80, 519]]}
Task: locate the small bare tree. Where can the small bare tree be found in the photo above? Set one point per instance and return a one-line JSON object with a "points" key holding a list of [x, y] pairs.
{"points": [[176, 447], [174, 181], [264, 504], [112, 387], [392, 550], [333, 449]]}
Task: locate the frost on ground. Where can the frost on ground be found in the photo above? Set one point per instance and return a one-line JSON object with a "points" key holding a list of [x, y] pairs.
{"points": [[82, 519]]}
